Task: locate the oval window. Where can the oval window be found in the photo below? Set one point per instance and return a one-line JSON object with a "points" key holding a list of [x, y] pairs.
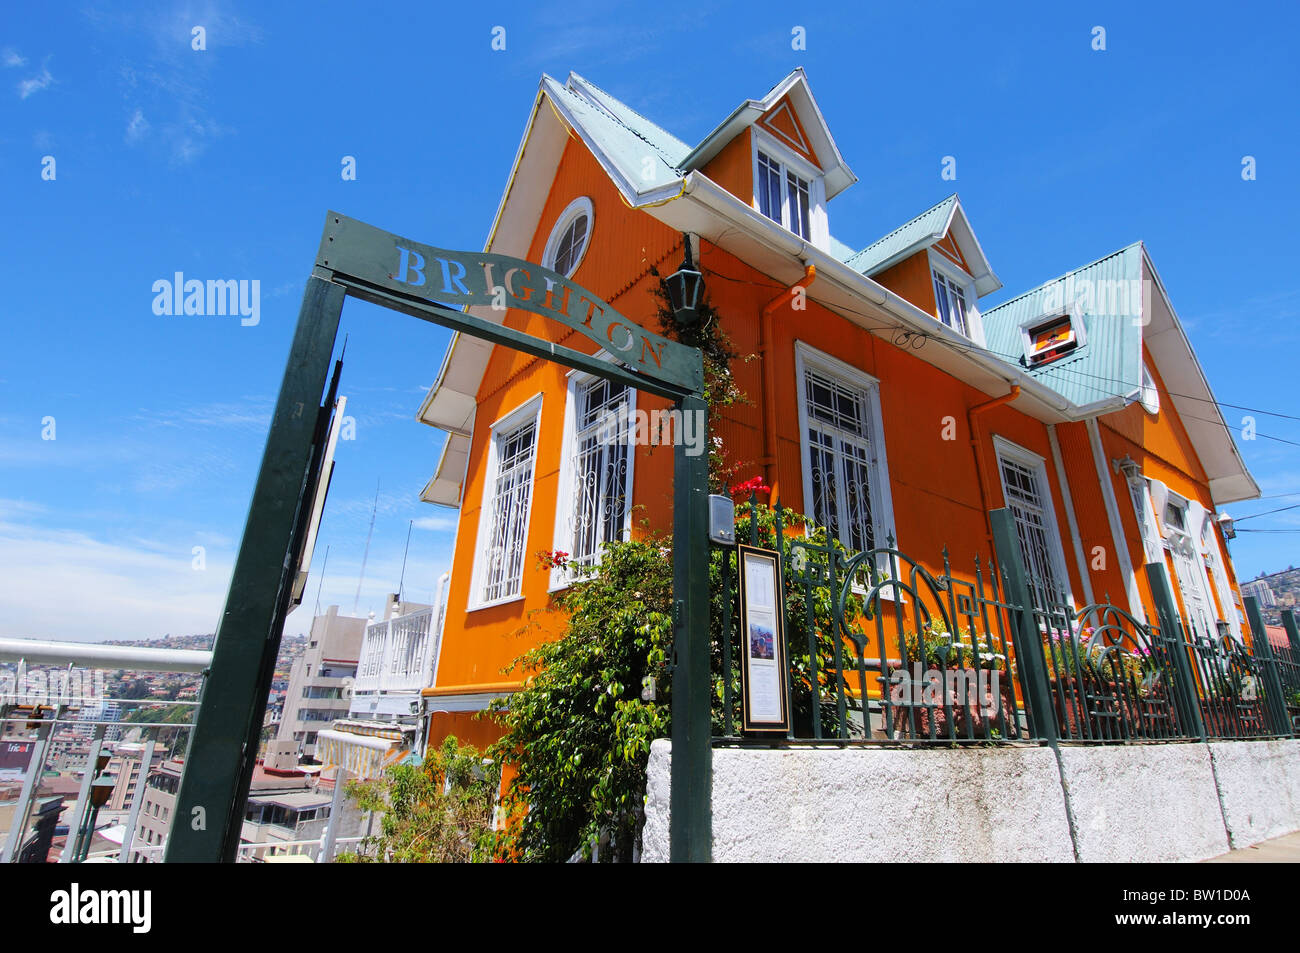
{"points": [[569, 238]]}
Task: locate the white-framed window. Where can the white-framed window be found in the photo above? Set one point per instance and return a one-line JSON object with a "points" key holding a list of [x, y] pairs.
{"points": [[1150, 394], [594, 504], [1140, 494], [789, 191], [1183, 540], [1052, 335], [954, 298], [1218, 573], [1028, 495], [845, 471], [569, 238], [507, 506], [950, 302]]}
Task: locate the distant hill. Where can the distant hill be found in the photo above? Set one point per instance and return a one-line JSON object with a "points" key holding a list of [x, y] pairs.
{"points": [[200, 643], [1286, 590]]}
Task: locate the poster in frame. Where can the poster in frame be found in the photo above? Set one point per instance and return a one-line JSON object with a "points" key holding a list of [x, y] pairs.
{"points": [[765, 699]]}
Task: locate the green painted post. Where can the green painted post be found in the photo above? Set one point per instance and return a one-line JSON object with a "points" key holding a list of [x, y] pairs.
{"points": [[1292, 633], [691, 821], [1274, 702], [222, 750], [1025, 635], [1186, 696], [1293, 636]]}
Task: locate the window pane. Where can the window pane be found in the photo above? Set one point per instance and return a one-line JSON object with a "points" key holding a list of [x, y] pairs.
{"points": [[950, 303], [511, 497], [769, 187], [958, 304], [1028, 502], [841, 463], [941, 299], [600, 503], [571, 246], [800, 223]]}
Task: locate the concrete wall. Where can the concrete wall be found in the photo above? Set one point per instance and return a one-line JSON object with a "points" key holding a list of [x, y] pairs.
{"points": [[1177, 802], [1259, 788], [1144, 803]]}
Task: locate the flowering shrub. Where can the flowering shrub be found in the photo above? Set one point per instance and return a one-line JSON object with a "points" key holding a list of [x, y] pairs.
{"points": [[938, 648]]}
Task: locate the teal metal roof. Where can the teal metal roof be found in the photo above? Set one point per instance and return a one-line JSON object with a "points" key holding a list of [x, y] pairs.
{"points": [[1107, 296], [625, 137], [672, 148], [926, 228], [841, 251]]}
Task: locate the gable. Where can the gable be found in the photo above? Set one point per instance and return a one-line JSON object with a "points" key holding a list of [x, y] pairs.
{"points": [[948, 248], [782, 123], [943, 227]]}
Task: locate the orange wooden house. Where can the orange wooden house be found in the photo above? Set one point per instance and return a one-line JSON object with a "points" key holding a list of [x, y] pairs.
{"points": [[885, 401]]}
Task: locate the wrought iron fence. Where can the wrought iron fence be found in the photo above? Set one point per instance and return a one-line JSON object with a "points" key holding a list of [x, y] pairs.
{"points": [[881, 648]]}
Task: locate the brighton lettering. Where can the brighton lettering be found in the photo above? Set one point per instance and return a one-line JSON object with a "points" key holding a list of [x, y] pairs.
{"points": [[469, 280]]}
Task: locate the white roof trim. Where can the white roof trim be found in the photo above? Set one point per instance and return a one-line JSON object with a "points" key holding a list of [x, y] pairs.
{"points": [[448, 482], [986, 282], [709, 210], [837, 174], [1201, 416]]}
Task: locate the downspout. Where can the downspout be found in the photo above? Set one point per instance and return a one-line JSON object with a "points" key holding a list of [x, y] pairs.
{"points": [[971, 414], [768, 460]]}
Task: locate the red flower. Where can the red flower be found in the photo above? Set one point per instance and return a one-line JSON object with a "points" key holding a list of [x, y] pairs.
{"points": [[552, 560], [754, 485]]}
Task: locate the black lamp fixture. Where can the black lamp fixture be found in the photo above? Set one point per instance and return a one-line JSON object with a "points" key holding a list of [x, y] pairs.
{"points": [[684, 288]]}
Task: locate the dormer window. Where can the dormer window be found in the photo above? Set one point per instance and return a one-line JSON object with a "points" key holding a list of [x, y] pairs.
{"points": [[1050, 337], [954, 297], [783, 196], [789, 191], [950, 302]]}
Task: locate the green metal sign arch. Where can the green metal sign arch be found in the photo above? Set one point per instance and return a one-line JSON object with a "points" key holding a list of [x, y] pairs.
{"points": [[361, 261]]}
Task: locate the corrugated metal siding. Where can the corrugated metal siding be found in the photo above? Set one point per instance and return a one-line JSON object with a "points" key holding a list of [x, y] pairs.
{"points": [[733, 167], [1108, 364]]}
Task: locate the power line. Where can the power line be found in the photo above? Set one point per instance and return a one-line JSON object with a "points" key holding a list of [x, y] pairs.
{"points": [[1268, 512], [1111, 380], [1014, 360]]}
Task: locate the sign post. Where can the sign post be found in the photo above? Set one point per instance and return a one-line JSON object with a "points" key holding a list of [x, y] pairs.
{"points": [[358, 260]]}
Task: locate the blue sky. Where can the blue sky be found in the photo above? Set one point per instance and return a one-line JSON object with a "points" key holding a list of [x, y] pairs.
{"points": [[221, 163]]}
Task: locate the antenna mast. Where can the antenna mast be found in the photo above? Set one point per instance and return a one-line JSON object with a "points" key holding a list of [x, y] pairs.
{"points": [[366, 555]]}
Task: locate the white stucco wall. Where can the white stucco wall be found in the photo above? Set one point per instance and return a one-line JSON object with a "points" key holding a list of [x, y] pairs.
{"points": [[1147, 803], [874, 804], [1158, 802], [1259, 788]]}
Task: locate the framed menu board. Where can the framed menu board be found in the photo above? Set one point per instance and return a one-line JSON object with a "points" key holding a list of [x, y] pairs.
{"points": [[766, 704]]}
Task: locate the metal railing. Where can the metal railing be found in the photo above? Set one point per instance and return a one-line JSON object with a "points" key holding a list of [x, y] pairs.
{"points": [[397, 654], [882, 649], [69, 747]]}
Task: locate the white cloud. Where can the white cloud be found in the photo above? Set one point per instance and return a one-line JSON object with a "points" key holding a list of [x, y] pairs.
{"points": [[137, 127], [11, 58], [66, 584], [34, 85], [435, 522]]}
